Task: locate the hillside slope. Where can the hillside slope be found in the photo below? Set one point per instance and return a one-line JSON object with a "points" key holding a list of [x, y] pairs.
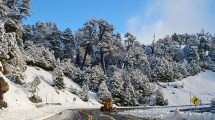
{"points": [[201, 86], [19, 106]]}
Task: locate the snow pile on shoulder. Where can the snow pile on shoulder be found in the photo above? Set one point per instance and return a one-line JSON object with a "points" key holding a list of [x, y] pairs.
{"points": [[164, 114], [201, 86], [20, 107]]}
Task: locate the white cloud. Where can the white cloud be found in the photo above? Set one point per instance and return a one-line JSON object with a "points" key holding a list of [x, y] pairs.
{"points": [[165, 17]]}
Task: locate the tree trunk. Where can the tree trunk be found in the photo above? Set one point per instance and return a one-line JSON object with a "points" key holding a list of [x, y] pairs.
{"points": [[77, 59], [102, 60], [85, 55]]}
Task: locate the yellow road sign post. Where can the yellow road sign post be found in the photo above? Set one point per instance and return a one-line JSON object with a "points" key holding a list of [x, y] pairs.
{"points": [[195, 101]]}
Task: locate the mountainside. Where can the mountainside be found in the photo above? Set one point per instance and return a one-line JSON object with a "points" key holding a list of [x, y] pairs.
{"points": [[19, 106]]}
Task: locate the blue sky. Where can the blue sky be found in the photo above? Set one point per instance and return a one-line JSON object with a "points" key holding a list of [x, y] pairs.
{"points": [[74, 13], [142, 18]]}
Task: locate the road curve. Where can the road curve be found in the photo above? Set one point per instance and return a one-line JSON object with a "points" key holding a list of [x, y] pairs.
{"points": [[90, 114]]}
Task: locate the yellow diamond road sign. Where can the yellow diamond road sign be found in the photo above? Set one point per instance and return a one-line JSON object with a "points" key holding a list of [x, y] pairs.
{"points": [[195, 100]]}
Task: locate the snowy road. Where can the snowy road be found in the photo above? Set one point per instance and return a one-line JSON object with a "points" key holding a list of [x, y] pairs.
{"points": [[95, 114]]}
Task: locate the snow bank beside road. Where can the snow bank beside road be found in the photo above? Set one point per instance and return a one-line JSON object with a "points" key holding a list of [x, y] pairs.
{"points": [[164, 114]]}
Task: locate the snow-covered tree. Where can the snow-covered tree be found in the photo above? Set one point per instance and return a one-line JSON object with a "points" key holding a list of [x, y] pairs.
{"points": [[69, 44], [212, 54], [161, 69], [143, 88], [130, 97], [194, 68], [96, 77], [56, 41], [104, 40], [192, 53], [180, 70], [25, 8], [116, 86], [80, 76], [134, 53], [39, 56], [177, 54], [160, 98], [58, 75], [86, 36], [4, 9], [103, 92], [84, 93], [68, 67], [32, 86]]}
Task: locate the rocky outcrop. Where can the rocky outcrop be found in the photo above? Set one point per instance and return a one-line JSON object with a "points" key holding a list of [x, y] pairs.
{"points": [[4, 87]]}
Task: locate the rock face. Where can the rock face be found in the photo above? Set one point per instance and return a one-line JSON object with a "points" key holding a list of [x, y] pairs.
{"points": [[35, 99], [4, 87]]}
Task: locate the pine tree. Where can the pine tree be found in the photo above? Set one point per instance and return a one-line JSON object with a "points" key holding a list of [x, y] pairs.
{"points": [[58, 77], [96, 77], [68, 67], [86, 38], [192, 54], [103, 92], [68, 41], [130, 97], [56, 42], [104, 40], [161, 69], [84, 93], [194, 68], [115, 84]]}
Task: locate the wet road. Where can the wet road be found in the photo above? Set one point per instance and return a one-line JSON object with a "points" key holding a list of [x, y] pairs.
{"points": [[90, 114]]}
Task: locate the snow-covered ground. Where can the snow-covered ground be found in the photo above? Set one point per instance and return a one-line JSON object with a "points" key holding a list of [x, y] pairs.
{"points": [[165, 114], [178, 93], [202, 86], [20, 108]]}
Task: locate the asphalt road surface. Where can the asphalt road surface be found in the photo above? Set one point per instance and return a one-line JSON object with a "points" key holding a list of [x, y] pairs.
{"points": [[90, 114]]}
